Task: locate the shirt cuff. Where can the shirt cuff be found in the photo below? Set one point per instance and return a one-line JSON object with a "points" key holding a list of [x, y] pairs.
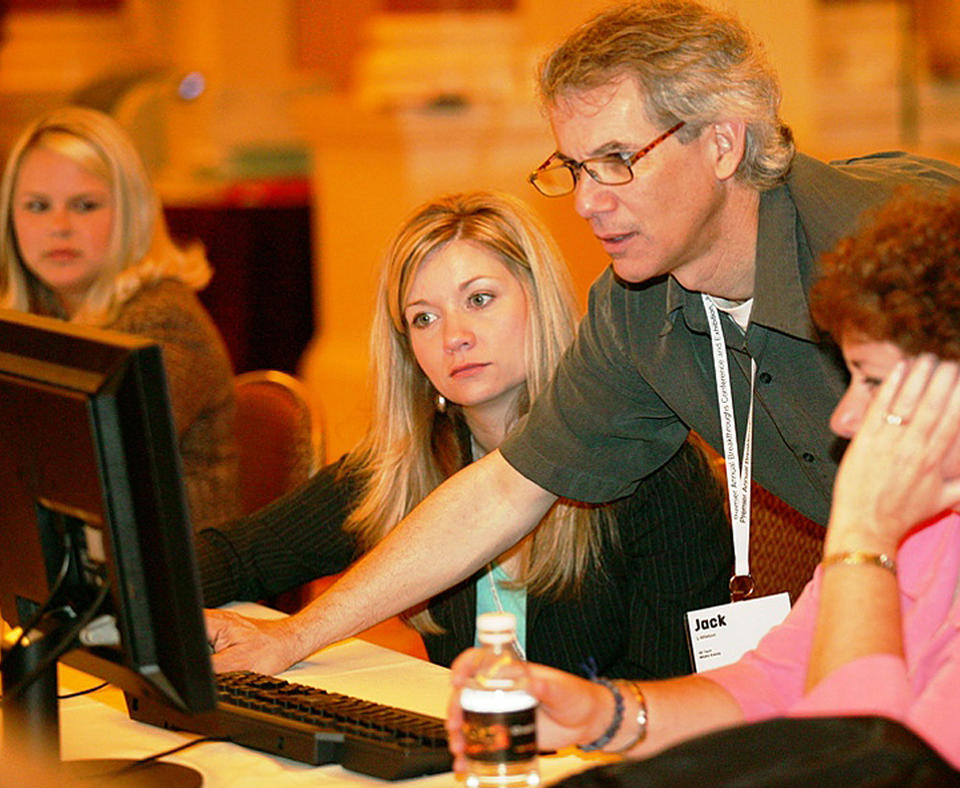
{"points": [[876, 684]]}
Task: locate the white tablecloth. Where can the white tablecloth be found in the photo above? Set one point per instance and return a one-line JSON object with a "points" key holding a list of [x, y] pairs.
{"points": [[96, 725]]}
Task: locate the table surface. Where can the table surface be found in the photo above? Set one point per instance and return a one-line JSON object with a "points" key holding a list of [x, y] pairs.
{"points": [[97, 726]]}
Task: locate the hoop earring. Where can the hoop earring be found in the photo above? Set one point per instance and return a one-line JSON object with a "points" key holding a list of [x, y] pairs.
{"points": [[440, 402]]}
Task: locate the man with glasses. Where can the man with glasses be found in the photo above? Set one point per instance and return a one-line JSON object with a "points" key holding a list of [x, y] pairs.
{"points": [[668, 135], [666, 120]]}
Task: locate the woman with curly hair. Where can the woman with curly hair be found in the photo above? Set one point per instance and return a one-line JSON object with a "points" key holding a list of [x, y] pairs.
{"points": [[83, 239], [473, 311], [877, 630]]}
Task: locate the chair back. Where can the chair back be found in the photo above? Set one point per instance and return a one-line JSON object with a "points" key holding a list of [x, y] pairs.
{"points": [[785, 546], [279, 437]]}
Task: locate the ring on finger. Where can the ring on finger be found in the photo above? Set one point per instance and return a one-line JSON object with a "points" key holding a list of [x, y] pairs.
{"points": [[894, 419]]}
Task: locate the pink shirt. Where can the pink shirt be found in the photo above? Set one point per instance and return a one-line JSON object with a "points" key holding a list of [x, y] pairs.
{"points": [[921, 690]]}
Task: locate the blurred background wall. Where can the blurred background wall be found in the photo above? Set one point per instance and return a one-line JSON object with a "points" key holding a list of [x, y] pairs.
{"points": [[292, 136]]}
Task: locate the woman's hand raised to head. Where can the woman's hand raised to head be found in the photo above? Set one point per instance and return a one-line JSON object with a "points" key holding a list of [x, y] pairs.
{"points": [[900, 468]]}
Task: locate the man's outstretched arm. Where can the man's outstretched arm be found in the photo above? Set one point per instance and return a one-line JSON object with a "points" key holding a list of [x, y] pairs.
{"points": [[471, 518]]}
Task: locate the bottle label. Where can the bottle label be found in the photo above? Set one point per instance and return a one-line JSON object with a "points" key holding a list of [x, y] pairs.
{"points": [[500, 736]]}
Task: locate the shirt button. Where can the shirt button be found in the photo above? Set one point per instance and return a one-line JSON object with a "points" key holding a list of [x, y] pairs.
{"points": [[808, 457], [765, 377]]}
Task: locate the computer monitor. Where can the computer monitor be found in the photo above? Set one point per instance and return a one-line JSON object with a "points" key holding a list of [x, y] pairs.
{"points": [[93, 516]]}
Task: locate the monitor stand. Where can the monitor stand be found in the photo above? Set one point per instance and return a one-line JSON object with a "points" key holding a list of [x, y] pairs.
{"points": [[31, 729]]}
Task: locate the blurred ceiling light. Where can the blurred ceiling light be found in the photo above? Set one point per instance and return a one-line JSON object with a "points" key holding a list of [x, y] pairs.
{"points": [[191, 86]]}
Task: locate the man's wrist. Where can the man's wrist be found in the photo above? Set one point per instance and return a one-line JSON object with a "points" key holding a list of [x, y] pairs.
{"points": [[294, 641]]}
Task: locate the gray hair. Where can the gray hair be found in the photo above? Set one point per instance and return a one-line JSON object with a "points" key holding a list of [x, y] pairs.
{"points": [[692, 63]]}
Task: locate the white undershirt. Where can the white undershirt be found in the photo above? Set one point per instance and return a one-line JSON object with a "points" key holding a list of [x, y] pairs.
{"points": [[738, 310]]}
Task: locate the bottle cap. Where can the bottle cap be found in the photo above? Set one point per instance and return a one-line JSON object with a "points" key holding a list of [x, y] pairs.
{"points": [[496, 627]]}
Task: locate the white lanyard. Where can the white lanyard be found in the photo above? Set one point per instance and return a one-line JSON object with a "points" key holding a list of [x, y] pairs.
{"points": [[738, 475], [496, 598]]}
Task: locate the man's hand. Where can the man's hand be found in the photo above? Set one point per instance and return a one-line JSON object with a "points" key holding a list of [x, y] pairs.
{"points": [[260, 645]]}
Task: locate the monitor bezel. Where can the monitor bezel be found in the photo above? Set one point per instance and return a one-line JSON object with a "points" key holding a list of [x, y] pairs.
{"points": [[116, 382]]}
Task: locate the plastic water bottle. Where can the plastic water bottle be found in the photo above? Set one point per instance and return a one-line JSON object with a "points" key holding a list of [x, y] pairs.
{"points": [[499, 713]]}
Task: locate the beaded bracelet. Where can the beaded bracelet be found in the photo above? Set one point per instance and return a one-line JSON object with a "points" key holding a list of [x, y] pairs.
{"points": [[641, 718], [859, 558], [615, 723]]}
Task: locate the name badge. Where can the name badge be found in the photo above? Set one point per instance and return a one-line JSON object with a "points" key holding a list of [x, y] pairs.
{"points": [[721, 634]]}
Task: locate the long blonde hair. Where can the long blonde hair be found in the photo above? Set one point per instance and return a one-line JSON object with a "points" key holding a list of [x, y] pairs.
{"points": [[411, 447], [141, 250]]}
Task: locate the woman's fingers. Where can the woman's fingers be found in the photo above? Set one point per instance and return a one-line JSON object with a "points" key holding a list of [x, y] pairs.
{"points": [[464, 665], [903, 403], [938, 415], [880, 407]]}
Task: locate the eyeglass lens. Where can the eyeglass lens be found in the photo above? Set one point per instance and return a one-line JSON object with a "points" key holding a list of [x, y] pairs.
{"points": [[560, 179], [555, 180]]}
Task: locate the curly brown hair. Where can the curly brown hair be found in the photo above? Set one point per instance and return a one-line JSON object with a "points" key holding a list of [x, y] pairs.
{"points": [[898, 279]]}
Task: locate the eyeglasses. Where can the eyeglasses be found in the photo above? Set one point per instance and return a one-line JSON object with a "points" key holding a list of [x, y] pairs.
{"points": [[558, 175]]}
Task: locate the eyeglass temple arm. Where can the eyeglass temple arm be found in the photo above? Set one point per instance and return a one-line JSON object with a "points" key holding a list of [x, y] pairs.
{"points": [[546, 161], [654, 143]]}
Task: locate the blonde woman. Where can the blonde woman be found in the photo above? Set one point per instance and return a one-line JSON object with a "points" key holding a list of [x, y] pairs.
{"points": [[473, 313], [83, 239]]}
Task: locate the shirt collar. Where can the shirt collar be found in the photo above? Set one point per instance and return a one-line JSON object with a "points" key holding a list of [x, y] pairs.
{"points": [[780, 294]]}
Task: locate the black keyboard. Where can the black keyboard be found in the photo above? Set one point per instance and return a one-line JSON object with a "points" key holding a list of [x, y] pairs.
{"points": [[313, 726]]}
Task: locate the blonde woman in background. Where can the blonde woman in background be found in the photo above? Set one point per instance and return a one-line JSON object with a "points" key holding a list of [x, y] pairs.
{"points": [[83, 239], [473, 313]]}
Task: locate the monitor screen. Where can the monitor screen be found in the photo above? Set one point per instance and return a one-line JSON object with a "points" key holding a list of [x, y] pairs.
{"points": [[93, 515]]}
